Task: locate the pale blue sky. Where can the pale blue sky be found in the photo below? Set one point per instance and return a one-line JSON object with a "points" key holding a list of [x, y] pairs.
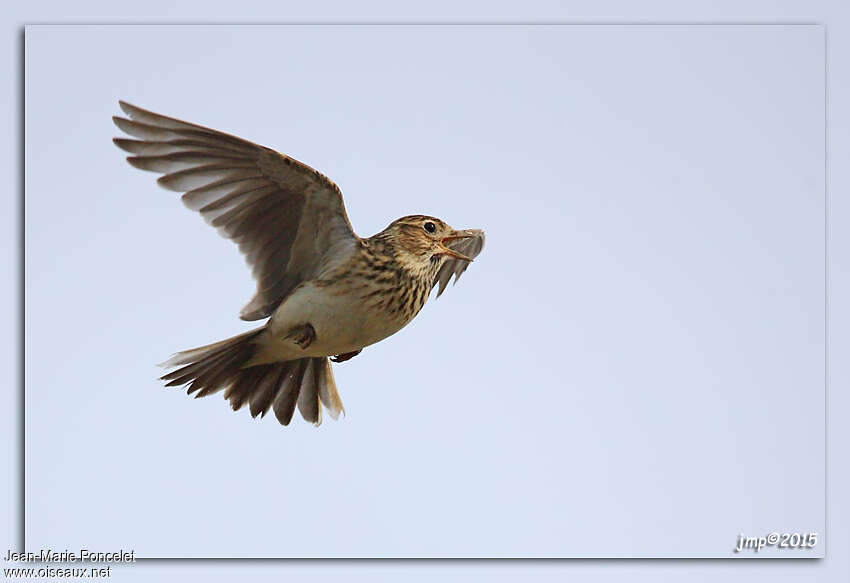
{"points": [[214, 116], [638, 350]]}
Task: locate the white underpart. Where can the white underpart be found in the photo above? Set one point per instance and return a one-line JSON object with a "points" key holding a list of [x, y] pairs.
{"points": [[342, 323]]}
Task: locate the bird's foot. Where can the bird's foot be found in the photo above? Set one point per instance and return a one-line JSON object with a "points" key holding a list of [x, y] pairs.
{"points": [[302, 335], [345, 356]]}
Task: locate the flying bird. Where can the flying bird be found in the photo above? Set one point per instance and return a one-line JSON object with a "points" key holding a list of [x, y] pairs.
{"points": [[324, 292]]}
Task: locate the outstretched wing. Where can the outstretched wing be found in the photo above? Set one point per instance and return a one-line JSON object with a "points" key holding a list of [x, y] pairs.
{"points": [[287, 219], [470, 247]]}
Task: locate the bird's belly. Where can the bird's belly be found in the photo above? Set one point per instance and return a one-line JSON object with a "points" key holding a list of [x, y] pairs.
{"points": [[342, 322]]}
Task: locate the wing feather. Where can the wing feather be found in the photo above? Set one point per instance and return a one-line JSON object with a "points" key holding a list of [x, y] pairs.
{"points": [[288, 219]]}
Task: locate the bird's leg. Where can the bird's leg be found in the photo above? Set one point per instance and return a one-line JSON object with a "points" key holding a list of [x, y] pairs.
{"points": [[302, 335], [345, 356]]}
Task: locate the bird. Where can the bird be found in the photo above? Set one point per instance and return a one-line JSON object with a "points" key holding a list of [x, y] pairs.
{"points": [[324, 292]]}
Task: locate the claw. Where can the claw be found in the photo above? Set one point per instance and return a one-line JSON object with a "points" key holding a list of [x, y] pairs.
{"points": [[345, 356]]}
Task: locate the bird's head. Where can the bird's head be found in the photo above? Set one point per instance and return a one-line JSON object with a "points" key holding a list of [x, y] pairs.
{"points": [[422, 240]]}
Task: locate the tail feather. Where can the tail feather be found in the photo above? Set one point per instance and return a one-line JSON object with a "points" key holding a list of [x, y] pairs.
{"points": [[327, 390], [222, 372], [306, 383], [245, 383], [261, 399], [190, 371], [308, 397], [193, 354], [287, 394]]}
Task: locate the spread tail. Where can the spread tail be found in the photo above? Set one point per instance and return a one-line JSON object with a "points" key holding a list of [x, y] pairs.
{"points": [[307, 383]]}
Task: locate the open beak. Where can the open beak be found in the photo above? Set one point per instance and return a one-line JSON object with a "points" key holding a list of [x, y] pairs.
{"points": [[456, 235]]}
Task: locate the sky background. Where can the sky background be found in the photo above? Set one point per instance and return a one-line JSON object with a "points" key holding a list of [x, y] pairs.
{"points": [[633, 367], [832, 13]]}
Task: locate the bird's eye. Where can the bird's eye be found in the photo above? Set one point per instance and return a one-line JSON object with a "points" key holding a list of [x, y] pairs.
{"points": [[430, 227]]}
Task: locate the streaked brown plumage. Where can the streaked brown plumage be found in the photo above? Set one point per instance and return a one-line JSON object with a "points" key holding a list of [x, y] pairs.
{"points": [[325, 291]]}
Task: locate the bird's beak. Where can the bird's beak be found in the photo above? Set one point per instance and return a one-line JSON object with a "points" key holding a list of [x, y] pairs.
{"points": [[465, 234]]}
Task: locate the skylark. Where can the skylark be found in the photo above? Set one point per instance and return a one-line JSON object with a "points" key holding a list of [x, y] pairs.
{"points": [[325, 291]]}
